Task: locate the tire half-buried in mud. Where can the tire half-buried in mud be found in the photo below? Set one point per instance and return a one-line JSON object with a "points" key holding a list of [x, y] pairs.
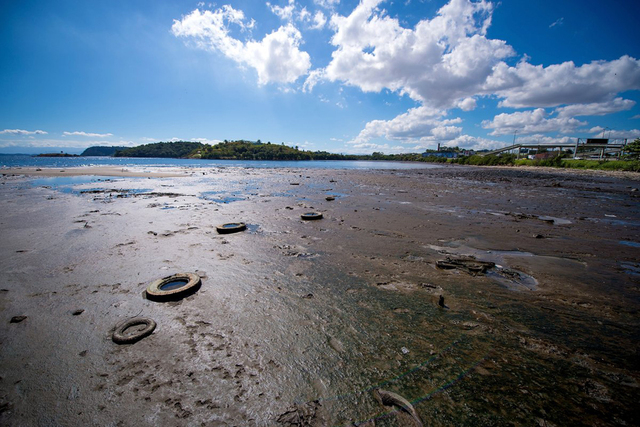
{"points": [[232, 227], [173, 287], [121, 337], [311, 216]]}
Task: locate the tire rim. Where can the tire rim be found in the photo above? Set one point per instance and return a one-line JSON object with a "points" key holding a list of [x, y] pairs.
{"points": [[175, 286], [120, 337], [231, 227], [311, 215]]}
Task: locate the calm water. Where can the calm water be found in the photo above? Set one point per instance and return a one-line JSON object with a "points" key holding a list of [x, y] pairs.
{"points": [[68, 162]]}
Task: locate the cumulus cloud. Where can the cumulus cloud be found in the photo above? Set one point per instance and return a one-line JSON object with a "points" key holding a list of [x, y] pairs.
{"points": [[598, 132], [474, 143], [596, 108], [276, 58], [448, 61], [283, 12], [23, 132], [467, 104], [292, 13], [529, 122], [438, 63], [527, 85], [327, 4], [87, 134], [417, 124], [319, 20]]}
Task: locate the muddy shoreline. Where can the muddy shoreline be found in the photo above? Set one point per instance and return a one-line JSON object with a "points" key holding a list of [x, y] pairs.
{"points": [[299, 321]]}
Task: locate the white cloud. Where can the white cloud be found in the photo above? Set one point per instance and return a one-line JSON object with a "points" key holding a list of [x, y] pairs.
{"points": [[439, 62], [327, 4], [204, 140], [283, 12], [598, 132], [542, 139], [557, 22], [596, 109], [467, 104], [475, 143], [319, 20], [449, 61], [87, 134], [527, 85], [417, 124], [23, 132], [276, 58], [529, 122], [60, 143], [291, 13]]}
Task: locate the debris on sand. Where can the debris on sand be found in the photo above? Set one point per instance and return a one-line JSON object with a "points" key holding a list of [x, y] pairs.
{"points": [[389, 398], [307, 414], [469, 265]]}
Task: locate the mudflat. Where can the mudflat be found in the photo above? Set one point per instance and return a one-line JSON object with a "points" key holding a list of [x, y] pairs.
{"points": [[482, 296]]}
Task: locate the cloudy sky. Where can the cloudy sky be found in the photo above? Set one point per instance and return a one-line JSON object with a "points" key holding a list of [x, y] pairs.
{"points": [[349, 76]]}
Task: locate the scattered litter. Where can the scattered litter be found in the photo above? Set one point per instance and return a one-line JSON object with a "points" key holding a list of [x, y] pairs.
{"points": [[467, 264], [232, 227], [389, 398], [173, 287], [311, 216], [121, 337]]}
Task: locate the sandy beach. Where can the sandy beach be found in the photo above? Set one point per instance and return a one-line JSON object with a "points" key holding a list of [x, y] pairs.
{"points": [[296, 322]]}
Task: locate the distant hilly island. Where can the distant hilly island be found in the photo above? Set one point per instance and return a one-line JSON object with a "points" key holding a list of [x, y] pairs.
{"points": [[102, 151], [233, 150]]}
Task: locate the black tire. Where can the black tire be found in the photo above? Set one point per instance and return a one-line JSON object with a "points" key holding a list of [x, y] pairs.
{"points": [[120, 337], [232, 227], [191, 284], [310, 216]]}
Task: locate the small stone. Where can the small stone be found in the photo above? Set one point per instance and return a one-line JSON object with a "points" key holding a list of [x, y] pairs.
{"points": [[405, 350]]}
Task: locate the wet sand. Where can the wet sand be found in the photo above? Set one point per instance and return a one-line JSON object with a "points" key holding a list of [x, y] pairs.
{"points": [[297, 322]]}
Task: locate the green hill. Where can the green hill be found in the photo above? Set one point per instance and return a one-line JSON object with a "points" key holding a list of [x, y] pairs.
{"points": [[175, 150], [102, 151]]}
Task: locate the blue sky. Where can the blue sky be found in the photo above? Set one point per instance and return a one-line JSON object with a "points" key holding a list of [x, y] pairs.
{"points": [[337, 75]]}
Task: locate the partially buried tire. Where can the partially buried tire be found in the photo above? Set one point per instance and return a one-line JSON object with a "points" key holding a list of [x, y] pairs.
{"points": [[232, 227], [121, 336], [310, 216], [173, 287]]}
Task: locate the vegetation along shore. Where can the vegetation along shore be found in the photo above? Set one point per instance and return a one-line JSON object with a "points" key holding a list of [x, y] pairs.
{"points": [[629, 160]]}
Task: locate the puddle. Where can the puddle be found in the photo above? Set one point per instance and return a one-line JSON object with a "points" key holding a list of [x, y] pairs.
{"points": [[631, 268], [554, 220], [512, 279], [253, 228], [220, 197], [629, 243], [68, 184]]}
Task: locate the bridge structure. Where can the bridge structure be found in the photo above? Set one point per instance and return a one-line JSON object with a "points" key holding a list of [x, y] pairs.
{"points": [[589, 147]]}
